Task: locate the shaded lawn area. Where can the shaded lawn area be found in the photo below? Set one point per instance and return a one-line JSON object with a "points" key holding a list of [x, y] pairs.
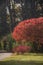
{"points": [[28, 59], [13, 62]]}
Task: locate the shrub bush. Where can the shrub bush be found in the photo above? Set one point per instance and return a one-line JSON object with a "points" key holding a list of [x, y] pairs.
{"points": [[22, 49]]}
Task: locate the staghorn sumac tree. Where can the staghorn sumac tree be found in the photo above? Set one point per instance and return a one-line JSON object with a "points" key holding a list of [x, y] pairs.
{"points": [[29, 30]]}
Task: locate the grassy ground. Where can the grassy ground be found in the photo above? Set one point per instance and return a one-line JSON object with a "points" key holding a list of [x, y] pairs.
{"points": [[26, 59]]}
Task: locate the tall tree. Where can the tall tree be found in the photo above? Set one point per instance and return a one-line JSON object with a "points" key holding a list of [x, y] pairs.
{"points": [[3, 24]]}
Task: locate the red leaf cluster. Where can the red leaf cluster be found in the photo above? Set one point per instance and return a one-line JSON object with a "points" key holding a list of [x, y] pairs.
{"points": [[22, 49], [31, 29]]}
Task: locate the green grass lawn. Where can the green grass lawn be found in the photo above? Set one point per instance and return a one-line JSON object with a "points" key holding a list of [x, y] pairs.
{"points": [[26, 59]]}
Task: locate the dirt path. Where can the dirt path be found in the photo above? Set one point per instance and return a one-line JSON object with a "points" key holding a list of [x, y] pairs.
{"points": [[4, 55]]}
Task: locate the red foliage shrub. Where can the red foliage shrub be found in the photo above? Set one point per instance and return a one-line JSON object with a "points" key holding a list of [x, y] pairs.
{"points": [[30, 30], [22, 49]]}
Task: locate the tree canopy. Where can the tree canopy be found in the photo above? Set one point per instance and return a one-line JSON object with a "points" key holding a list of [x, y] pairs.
{"points": [[31, 30]]}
